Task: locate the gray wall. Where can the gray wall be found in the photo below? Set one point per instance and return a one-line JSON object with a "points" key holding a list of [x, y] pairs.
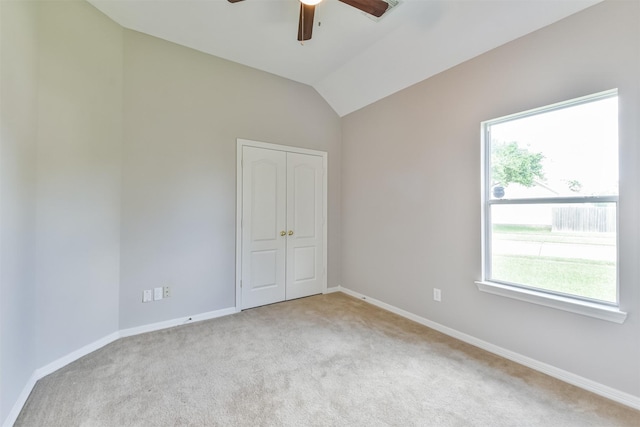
{"points": [[411, 191], [88, 223], [18, 95], [78, 177], [183, 112]]}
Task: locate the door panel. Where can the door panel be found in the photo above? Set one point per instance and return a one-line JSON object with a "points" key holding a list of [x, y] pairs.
{"points": [[305, 219], [264, 200], [264, 271], [263, 219], [305, 262], [304, 176]]}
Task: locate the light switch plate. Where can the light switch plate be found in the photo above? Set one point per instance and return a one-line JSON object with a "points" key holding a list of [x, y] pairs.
{"points": [[157, 293]]}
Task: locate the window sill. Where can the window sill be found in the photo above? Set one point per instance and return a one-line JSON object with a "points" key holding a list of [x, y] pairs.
{"points": [[591, 309]]}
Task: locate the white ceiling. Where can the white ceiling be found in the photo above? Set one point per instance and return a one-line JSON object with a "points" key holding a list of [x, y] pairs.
{"points": [[351, 60]]}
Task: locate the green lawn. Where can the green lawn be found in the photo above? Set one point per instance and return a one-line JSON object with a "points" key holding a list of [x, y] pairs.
{"points": [[590, 279], [585, 278]]}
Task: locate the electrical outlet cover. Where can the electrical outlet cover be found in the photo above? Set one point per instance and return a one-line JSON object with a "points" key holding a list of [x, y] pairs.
{"points": [[146, 295], [167, 291]]}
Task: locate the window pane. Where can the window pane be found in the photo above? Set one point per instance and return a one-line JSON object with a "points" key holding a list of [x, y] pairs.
{"points": [[565, 152], [563, 248]]}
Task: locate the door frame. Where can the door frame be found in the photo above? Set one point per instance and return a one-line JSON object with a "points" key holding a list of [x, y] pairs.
{"points": [[240, 144]]}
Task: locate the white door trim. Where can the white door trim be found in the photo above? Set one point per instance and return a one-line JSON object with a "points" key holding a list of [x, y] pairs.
{"points": [[240, 143]]}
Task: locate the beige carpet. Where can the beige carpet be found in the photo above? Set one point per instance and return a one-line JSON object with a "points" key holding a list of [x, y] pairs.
{"points": [[328, 360]]}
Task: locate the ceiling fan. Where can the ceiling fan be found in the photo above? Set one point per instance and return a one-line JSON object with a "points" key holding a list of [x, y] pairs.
{"points": [[308, 7]]}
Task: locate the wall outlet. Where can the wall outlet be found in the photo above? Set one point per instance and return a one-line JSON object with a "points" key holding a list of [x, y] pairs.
{"points": [[167, 292], [157, 294], [437, 294], [147, 295]]}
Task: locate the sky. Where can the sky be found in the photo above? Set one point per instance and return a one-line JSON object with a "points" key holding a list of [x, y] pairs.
{"points": [[579, 143]]}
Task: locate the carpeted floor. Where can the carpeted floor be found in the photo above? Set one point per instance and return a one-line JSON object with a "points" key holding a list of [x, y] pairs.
{"points": [[327, 360]]}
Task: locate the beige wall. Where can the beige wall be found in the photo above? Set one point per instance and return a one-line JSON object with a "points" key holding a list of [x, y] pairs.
{"points": [[183, 112], [411, 192]]}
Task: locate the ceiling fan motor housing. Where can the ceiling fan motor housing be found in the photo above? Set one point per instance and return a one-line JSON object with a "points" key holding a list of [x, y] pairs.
{"points": [[308, 7]]}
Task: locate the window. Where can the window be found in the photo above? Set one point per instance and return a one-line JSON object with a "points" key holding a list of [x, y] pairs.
{"points": [[550, 196]]}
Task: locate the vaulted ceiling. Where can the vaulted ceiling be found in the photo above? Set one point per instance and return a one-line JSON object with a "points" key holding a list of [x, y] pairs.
{"points": [[352, 60]]}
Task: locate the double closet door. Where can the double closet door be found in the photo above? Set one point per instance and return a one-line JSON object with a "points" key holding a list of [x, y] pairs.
{"points": [[282, 226]]}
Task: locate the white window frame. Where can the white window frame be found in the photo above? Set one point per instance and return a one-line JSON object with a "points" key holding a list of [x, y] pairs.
{"points": [[583, 306]]}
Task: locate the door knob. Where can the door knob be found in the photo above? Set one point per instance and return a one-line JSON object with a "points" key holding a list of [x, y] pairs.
{"points": [[290, 232], [283, 233]]}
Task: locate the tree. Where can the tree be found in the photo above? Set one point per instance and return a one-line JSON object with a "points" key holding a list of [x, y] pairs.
{"points": [[574, 185], [512, 164]]}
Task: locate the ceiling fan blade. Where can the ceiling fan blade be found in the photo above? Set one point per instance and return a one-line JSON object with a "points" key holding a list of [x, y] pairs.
{"points": [[373, 7], [306, 21], [234, 1]]}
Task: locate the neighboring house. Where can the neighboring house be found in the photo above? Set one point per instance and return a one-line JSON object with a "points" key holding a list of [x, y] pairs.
{"points": [[526, 215]]}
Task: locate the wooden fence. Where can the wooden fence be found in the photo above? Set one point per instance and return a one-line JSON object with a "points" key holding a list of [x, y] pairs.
{"points": [[592, 219]]}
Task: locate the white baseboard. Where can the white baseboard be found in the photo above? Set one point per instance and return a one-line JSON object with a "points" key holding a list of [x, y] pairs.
{"points": [[22, 399], [75, 355], [96, 345], [584, 383], [52, 367], [176, 322], [333, 289], [568, 377]]}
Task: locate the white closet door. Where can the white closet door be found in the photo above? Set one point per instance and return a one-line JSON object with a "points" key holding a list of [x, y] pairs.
{"points": [[263, 223], [305, 200]]}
